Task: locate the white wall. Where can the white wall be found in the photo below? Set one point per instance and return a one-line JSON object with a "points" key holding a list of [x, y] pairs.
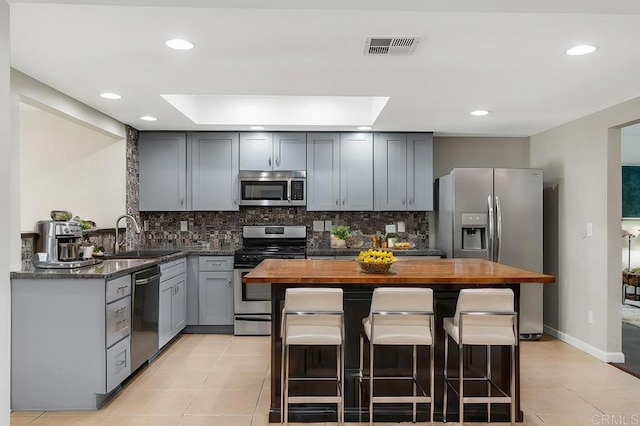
{"points": [[8, 215], [451, 152], [584, 157], [66, 166]]}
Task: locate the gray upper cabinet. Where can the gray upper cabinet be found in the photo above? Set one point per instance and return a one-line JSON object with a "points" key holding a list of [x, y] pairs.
{"points": [[339, 171], [323, 171], [356, 171], [403, 171], [390, 171], [214, 171], [420, 171], [266, 151], [163, 171], [256, 151], [289, 151]]}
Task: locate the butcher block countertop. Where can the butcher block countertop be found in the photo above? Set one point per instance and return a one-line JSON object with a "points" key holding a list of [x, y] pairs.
{"points": [[404, 271]]}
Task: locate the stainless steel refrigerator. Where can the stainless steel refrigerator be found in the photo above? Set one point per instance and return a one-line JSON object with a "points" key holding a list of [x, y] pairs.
{"points": [[496, 214]]}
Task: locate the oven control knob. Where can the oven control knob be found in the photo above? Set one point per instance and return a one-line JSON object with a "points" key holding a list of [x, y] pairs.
{"points": [[65, 230]]}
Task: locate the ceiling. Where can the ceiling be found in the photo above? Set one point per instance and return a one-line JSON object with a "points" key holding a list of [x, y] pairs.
{"points": [[500, 55]]}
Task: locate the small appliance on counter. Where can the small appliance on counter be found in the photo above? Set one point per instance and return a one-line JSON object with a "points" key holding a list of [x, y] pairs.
{"points": [[59, 244]]}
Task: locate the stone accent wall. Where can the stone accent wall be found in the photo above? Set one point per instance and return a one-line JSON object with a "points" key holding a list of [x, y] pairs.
{"points": [[133, 188], [223, 230]]}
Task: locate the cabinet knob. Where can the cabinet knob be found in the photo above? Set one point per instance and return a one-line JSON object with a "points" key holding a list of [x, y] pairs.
{"points": [[230, 282], [235, 201]]}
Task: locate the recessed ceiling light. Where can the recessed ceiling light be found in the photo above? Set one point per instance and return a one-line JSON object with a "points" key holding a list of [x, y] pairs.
{"points": [[148, 118], [364, 128], [256, 128], [108, 95], [479, 112], [179, 44], [584, 49]]}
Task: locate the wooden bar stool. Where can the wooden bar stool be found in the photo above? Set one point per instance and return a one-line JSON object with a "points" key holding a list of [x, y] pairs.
{"points": [[400, 317], [312, 317], [483, 317]]}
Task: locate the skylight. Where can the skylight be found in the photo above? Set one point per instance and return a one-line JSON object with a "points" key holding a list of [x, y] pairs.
{"points": [[243, 110]]}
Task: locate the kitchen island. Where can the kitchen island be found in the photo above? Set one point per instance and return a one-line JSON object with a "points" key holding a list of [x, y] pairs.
{"points": [[445, 276]]}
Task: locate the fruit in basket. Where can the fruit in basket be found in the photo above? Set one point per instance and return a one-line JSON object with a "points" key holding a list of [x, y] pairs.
{"points": [[376, 256]]}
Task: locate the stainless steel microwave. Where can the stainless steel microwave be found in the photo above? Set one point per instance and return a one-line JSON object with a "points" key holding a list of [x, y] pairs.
{"points": [[273, 188]]}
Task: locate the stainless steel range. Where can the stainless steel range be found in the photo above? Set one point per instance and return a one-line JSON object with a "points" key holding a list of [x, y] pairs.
{"points": [[252, 302]]}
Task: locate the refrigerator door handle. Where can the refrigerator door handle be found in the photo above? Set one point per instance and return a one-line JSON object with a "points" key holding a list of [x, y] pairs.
{"points": [[498, 230], [491, 222]]}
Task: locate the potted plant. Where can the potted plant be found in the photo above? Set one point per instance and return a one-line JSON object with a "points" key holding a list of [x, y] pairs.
{"points": [[86, 246], [339, 235]]}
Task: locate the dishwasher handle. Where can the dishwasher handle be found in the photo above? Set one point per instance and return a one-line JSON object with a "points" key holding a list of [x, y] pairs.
{"points": [[147, 280]]}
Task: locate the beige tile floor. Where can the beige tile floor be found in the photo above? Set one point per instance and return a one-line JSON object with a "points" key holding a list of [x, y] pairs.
{"points": [[206, 380]]}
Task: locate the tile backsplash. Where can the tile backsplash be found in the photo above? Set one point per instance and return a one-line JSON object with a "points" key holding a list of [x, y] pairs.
{"points": [[224, 229]]}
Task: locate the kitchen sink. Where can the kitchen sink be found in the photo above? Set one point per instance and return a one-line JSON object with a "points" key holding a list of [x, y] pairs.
{"points": [[142, 254]]}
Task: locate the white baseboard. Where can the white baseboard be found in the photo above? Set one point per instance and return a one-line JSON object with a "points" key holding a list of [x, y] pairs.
{"points": [[617, 357]]}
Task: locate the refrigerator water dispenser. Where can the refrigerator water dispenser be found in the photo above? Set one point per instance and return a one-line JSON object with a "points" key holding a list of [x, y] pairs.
{"points": [[474, 231]]}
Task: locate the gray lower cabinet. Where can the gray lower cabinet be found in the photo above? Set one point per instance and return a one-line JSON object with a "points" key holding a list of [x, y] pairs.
{"points": [[172, 315], [215, 290], [70, 342]]}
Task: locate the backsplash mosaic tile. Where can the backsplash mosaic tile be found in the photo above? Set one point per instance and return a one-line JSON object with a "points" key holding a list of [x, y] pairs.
{"points": [[223, 230]]}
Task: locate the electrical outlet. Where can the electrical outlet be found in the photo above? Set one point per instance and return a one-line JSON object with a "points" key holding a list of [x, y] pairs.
{"points": [[390, 229], [145, 225], [589, 229], [400, 226], [590, 317], [328, 226], [184, 227], [318, 226]]}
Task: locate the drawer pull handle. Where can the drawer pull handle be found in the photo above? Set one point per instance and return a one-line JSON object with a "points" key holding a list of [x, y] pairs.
{"points": [[123, 286], [121, 321], [122, 361], [120, 309], [216, 263]]}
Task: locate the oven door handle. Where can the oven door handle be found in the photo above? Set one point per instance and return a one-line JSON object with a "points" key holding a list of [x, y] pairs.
{"points": [[253, 318]]}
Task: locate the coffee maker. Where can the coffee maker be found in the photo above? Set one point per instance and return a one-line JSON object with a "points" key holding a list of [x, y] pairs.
{"points": [[58, 245]]}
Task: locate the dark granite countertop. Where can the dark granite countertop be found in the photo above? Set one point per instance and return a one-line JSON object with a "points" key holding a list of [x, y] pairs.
{"points": [[112, 268], [355, 251]]}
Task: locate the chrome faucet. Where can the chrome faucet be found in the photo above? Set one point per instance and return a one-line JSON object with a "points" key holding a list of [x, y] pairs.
{"points": [[136, 228]]}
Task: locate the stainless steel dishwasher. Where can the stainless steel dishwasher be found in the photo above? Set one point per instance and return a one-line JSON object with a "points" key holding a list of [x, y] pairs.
{"points": [[144, 331]]}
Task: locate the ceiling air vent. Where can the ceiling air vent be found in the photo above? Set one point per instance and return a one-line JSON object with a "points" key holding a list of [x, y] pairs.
{"points": [[401, 46]]}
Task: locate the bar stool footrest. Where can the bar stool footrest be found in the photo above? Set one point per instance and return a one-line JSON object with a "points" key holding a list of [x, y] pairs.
{"points": [[314, 399], [401, 399]]}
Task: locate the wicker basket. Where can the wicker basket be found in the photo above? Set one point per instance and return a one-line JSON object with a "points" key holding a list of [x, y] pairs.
{"points": [[375, 268]]}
